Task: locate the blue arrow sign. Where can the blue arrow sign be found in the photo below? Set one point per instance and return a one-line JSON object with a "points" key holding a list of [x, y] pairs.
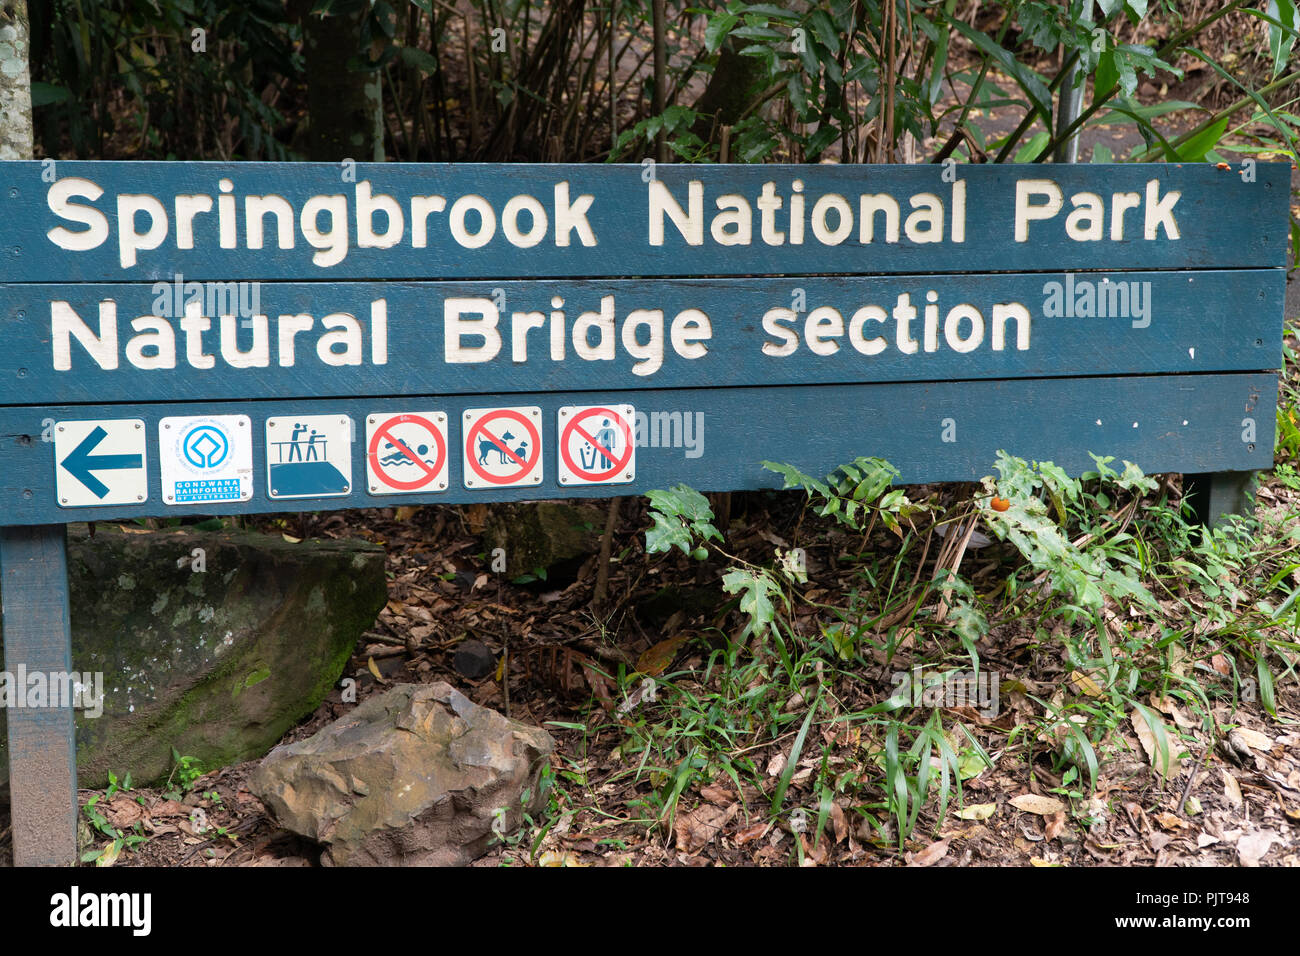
{"points": [[80, 463]]}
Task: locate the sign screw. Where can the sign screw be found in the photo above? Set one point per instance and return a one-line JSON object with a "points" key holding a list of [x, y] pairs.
{"points": [[27, 492], [22, 373]]}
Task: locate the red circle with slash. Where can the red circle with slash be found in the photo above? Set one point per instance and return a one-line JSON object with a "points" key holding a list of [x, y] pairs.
{"points": [[619, 462], [525, 465], [430, 472]]}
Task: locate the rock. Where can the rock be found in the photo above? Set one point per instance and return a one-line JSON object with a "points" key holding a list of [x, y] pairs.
{"points": [[412, 777], [473, 659], [555, 536], [214, 643]]}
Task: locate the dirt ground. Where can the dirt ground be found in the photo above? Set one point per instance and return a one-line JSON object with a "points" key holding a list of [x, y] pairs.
{"points": [[1247, 790]]}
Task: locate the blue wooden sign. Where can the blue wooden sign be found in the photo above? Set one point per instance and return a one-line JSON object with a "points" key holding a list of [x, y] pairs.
{"points": [[207, 338], [242, 338]]}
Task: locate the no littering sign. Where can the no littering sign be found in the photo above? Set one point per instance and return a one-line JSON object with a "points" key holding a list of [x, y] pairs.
{"points": [[597, 445]]}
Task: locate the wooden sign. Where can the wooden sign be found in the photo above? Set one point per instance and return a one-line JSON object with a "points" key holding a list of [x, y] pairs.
{"points": [[930, 315], [241, 338]]}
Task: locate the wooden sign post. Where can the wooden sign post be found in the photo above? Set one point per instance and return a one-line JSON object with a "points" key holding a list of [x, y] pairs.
{"points": [[216, 338]]}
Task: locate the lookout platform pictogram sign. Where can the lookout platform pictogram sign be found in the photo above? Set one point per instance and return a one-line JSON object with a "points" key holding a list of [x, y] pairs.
{"points": [[220, 338]]}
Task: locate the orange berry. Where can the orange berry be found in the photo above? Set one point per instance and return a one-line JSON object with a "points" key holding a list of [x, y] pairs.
{"points": [[1221, 165], [1000, 504]]}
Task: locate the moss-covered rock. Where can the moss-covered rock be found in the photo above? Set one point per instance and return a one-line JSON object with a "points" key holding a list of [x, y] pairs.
{"points": [[214, 643], [544, 534]]}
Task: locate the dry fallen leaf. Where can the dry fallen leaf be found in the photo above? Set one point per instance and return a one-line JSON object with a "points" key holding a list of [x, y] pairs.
{"points": [[123, 811], [1160, 762], [751, 833], [776, 765], [1231, 789], [1033, 803], [977, 811], [931, 854], [1254, 739], [719, 795], [1055, 824], [1170, 821], [655, 661], [700, 826], [1081, 683], [370, 666], [1253, 846], [169, 808], [558, 858], [839, 822]]}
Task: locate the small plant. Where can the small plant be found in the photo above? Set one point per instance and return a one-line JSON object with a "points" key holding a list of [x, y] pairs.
{"points": [[121, 839], [185, 772]]}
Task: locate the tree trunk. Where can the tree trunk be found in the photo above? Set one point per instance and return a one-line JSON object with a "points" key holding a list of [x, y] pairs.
{"points": [[345, 107], [15, 82], [731, 90]]}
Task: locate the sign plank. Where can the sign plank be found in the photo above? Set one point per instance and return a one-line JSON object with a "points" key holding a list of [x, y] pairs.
{"points": [[716, 439], [136, 342], [38, 641], [88, 221]]}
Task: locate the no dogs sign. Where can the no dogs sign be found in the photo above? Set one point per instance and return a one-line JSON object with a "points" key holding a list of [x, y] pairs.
{"points": [[503, 447]]}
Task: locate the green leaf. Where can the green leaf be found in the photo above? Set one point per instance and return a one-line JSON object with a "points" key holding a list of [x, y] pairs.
{"points": [[798, 97], [1034, 148], [1281, 35], [935, 86], [1107, 75], [825, 30], [47, 94], [1029, 82], [795, 752], [756, 590], [418, 59], [717, 29], [1194, 149]]}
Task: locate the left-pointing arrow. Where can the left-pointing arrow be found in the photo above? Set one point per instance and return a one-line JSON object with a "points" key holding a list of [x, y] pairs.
{"points": [[80, 463]]}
